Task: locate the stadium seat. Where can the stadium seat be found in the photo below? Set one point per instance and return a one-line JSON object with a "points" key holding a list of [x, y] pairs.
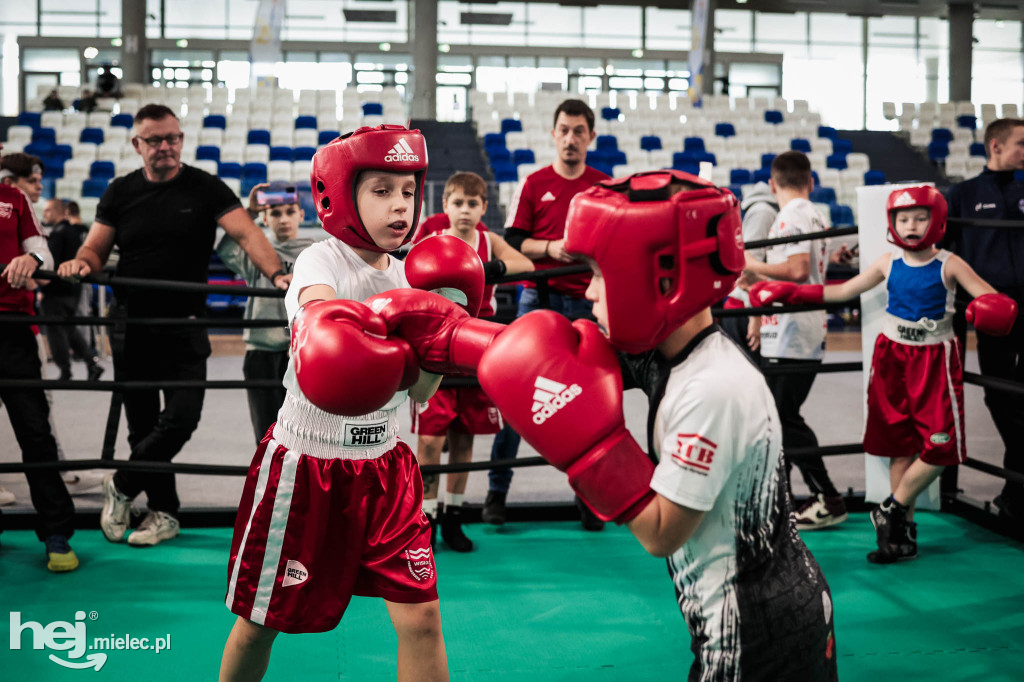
{"points": [[281, 154], [773, 116], [650, 143], [977, 149], [725, 130], [610, 113], [101, 170], [45, 135], [607, 142], [693, 144], [325, 136], [303, 153], [30, 118], [967, 121], [505, 171], [521, 156], [762, 175], [766, 160], [208, 152], [94, 187], [229, 169], [942, 135], [302, 122], [511, 125], [122, 121], [92, 135], [841, 214], [937, 150], [823, 195], [874, 177], [841, 146], [837, 161], [799, 144], [492, 140], [39, 149], [373, 109], [258, 136], [499, 155], [215, 121], [740, 176], [829, 132]]}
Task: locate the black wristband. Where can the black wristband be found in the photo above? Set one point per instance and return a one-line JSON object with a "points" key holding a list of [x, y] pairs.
{"points": [[274, 276], [493, 270]]}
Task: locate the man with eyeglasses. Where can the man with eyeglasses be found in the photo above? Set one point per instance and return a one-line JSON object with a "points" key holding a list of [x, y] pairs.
{"points": [[163, 218]]}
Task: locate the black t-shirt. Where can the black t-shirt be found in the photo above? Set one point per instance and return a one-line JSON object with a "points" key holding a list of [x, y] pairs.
{"points": [[165, 230]]}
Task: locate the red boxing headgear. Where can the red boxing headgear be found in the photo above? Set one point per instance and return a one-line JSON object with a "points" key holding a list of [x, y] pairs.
{"points": [[663, 256], [918, 197], [336, 168]]}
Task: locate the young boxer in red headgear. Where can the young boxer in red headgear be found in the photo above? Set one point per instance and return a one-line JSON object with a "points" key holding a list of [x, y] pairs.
{"points": [[915, 393]]}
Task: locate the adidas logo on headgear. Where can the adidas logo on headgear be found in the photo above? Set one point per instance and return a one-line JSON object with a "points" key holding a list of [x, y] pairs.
{"points": [[903, 200], [401, 152], [550, 396]]}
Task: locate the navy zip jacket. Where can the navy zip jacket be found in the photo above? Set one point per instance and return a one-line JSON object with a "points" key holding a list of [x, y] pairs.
{"points": [[996, 254]]}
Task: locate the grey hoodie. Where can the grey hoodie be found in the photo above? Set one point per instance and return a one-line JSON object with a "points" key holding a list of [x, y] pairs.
{"points": [[262, 307], [759, 210]]}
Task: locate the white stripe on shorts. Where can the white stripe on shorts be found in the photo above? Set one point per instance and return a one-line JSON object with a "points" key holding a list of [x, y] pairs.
{"points": [[261, 489], [950, 348], [275, 536]]}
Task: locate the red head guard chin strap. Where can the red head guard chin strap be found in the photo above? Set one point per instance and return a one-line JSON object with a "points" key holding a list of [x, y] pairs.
{"points": [[336, 168], [918, 197], [664, 256]]}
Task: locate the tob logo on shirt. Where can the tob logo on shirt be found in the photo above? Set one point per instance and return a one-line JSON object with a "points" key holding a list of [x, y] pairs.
{"points": [[6, 209], [694, 452]]}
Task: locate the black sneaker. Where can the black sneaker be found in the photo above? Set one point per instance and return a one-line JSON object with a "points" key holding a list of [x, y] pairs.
{"points": [[588, 518], [901, 548], [95, 370], [494, 508], [451, 530], [433, 527]]}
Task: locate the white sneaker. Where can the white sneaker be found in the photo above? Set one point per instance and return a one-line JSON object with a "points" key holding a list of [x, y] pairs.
{"points": [[80, 482], [116, 510], [6, 497], [820, 512], [156, 527]]}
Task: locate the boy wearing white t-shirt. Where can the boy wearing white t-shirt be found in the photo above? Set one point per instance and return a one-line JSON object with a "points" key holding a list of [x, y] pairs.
{"points": [[797, 339]]}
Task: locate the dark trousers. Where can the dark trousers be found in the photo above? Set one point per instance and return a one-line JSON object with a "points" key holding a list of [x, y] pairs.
{"points": [[1003, 357], [30, 418], [155, 434], [506, 443], [264, 402], [63, 337], [790, 392]]}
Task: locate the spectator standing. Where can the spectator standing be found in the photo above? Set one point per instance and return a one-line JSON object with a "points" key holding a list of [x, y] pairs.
{"points": [[797, 340], [536, 227], [163, 218], [53, 102], [266, 348], [997, 255]]}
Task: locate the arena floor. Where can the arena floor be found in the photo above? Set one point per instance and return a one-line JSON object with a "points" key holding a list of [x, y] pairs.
{"points": [[544, 602]]}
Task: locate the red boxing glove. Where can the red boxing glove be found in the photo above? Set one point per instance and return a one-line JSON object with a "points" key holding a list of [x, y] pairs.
{"points": [[992, 314], [344, 362], [443, 335], [766, 293], [442, 263], [566, 401]]}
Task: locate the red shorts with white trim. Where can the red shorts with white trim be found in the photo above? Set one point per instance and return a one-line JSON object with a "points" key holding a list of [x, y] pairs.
{"points": [[312, 532], [465, 409], [916, 402]]}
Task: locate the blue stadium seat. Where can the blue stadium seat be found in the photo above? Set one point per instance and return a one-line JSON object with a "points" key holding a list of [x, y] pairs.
{"points": [[837, 161], [492, 140], [511, 125], [505, 171], [215, 121], [725, 130], [978, 149], [691, 167], [305, 122], [762, 175], [45, 135], [693, 144], [874, 177], [122, 121], [520, 156], [303, 153], [814, 176], [842, 215], [94, 187], [101, 170], [773, 116], [280, 153], [799, 144], [258, 136], [207, 153], [93, 135], [30, 118], [497, 155], [766, 160], [229, 169], [610, 113], [967, 121], [650, 143], [737, 190], [39, 149], [823, 195], [326, 136], [942, 135], [739, 176], [63, 151], [53, 166], [373, 109], [938, 151], [842, 146], [615, 157], [607, 142], [254, 169], [828, 132]]}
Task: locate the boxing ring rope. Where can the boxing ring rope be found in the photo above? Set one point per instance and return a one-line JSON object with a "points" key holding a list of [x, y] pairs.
{"points": [[541, 278]]}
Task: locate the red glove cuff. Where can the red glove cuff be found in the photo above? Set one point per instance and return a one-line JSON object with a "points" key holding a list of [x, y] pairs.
{"points": [[809, 293], [614, 479], [470, 341]]}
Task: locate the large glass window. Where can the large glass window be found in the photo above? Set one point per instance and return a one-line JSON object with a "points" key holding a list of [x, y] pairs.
{"points": [[895, 73], [733, 31], [607, 26], [996, 72], [669, 29], [934, 55], [831, 77], [553, 25], [468, 23]]}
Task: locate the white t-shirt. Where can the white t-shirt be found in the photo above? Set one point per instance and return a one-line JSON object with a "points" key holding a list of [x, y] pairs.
{"points": [[797, 336], [334, 263]]}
